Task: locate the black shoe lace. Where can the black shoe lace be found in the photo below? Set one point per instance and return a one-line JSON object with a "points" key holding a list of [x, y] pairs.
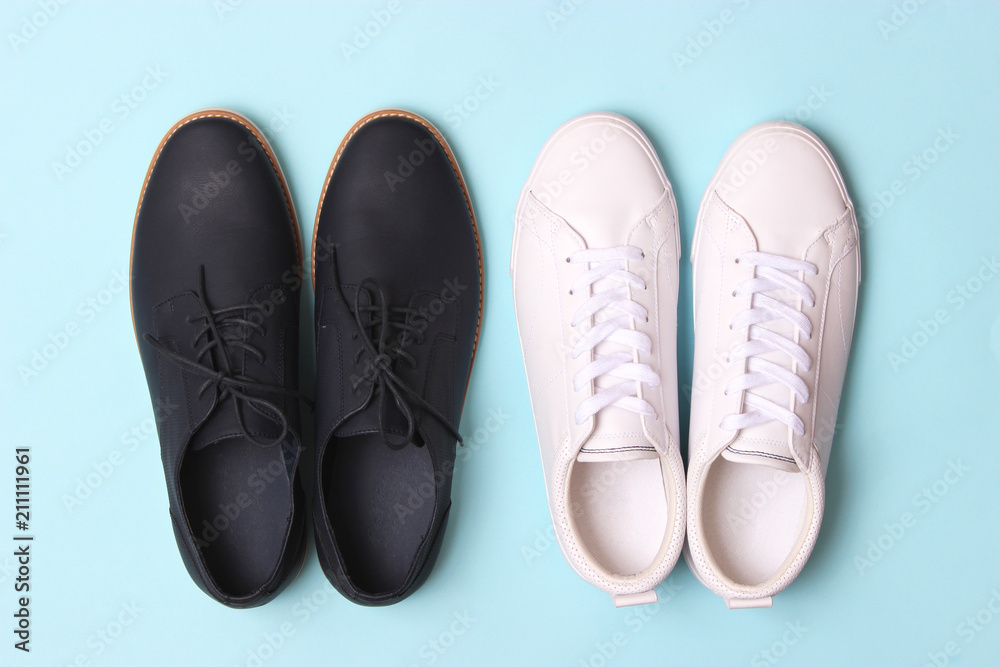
{"points": [[373, 326], [223, 329]]}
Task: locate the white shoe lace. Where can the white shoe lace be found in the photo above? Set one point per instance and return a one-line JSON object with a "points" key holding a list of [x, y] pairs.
{"points": [[773, 272], [610, 264]]}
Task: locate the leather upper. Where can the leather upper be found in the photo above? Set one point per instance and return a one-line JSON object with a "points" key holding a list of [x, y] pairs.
{"points": [[776, 191], [214, 205], [395, 211], [597, 184], [793, 206]]}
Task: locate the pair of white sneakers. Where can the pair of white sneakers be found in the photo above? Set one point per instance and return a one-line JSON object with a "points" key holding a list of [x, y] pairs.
{"points": [[594, 266]]}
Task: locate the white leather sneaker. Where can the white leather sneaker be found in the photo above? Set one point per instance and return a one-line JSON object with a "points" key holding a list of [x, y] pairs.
{"points": [[594, 266], [776, 274]]}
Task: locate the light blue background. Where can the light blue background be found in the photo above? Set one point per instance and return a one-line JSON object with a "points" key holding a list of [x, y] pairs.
{"points": [[886, 98]]}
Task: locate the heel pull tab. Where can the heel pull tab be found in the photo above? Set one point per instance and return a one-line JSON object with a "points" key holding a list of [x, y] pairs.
{"points": [[756, 603], [647, 597]]}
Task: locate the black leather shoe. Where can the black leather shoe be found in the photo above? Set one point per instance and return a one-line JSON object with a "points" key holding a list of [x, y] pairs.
{"points": [[398, 273], [215, 277]]}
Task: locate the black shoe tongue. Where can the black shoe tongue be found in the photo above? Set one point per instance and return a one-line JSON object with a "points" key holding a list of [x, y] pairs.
{"points": [[223, 425], [368, 419]]}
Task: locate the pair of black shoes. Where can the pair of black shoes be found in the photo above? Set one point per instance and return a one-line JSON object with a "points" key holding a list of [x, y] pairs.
{"points": [[216, 274]]}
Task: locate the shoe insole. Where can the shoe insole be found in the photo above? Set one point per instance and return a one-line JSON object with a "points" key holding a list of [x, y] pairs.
{"points": [[620, 512], [752, 518], [380, 502], [237, 499]]}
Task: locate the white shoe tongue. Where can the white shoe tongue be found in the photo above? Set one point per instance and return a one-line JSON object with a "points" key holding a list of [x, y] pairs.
{"points": [[617, 436], [626, 450], [762, 454], [769, 444]]}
